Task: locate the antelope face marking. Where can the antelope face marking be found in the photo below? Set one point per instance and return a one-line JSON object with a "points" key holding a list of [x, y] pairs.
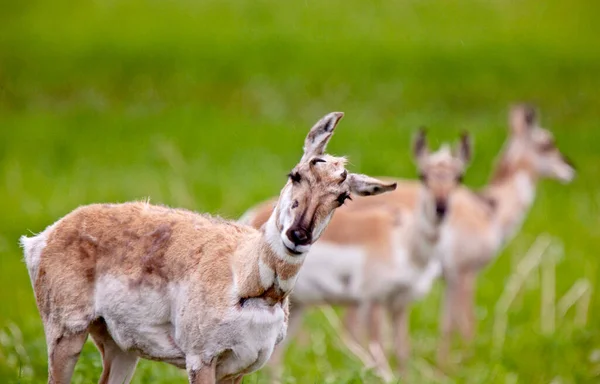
{"points": [[317, 186]]}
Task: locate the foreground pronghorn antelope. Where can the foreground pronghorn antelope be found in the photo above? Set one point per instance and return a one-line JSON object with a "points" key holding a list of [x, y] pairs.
{"points": [[171, 285], [380, 253]]}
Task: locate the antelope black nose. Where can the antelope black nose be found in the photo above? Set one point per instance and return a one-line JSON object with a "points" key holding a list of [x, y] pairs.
{"points": [[298, 236], [440, 208]]}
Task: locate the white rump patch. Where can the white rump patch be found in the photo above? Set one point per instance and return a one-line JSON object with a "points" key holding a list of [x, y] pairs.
{"points": [[32, 250]]}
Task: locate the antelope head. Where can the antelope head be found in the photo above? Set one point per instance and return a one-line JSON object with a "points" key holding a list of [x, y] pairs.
{"points": [[441, 172], [316, 186], [532, 147]]}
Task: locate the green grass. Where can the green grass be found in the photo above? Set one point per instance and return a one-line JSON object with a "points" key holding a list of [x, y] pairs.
{"points": [[205, 105]]}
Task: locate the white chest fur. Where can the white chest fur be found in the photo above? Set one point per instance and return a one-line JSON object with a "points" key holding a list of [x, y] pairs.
{"points": [[145, 321], [411, 281], [251, 332], [525, 188]]}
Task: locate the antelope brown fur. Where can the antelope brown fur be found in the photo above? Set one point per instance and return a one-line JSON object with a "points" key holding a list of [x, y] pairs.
{"points": [[192, 290], [382, 253]]}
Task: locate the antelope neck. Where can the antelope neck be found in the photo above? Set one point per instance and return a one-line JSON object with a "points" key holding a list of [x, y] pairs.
{"points": [[264, 269], [427, 228], [512, 191]]}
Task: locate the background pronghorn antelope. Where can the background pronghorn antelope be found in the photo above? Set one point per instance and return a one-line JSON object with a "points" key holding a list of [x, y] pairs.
{"points": [[481, 224], [170, 285], [478, 223], [378, 251]]}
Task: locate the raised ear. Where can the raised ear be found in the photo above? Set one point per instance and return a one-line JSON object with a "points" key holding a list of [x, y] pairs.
{"points": [[465, 148], [319, 135], [420, 149], [364, 185], [522, 118]]}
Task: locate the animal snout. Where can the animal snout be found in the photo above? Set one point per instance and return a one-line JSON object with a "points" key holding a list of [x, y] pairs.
{"points": [[440, 208], [299, 236]]}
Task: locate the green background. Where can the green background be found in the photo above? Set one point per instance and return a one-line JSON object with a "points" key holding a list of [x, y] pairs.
{"points": [[205, 104]]}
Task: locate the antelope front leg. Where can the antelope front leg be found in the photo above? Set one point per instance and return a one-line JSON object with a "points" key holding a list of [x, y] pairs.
{"points": [[201, 373], [275, 365], [467, 319], [447, 322], [400, 318], [376, 348], [352, 322]]}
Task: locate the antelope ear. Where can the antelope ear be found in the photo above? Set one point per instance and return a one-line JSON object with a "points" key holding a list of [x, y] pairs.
{"points": [[522, 118], [364, 185], [465, 148], [420, 149], [319, 135]]}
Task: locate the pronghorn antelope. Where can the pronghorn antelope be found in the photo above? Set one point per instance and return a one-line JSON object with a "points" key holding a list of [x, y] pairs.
{"points": [[195, 291], [380, 253], [480, 223]]}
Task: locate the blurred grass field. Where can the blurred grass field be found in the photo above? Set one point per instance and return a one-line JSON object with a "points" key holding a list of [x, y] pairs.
{"points": [[205, 105]]}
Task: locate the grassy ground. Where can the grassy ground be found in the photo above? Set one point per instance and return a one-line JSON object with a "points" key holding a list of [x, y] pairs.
{"points": [[205, 105]]}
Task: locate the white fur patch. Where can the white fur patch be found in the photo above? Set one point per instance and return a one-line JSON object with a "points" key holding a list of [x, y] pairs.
{"points": [[283, 209], [331, 272], [286, 285], [193, 363], [267, 275], [426, 279], [564, 172], [318, 231], [525, 188], [426, 223], [274, 239], [250, 334], [33, 248], [297, 248], [442, 155], [140, 318]]}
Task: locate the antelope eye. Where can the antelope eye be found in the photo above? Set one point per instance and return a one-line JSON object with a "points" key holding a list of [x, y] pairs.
{"points": [[295, 204], [295, 177], [343, 197]]}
